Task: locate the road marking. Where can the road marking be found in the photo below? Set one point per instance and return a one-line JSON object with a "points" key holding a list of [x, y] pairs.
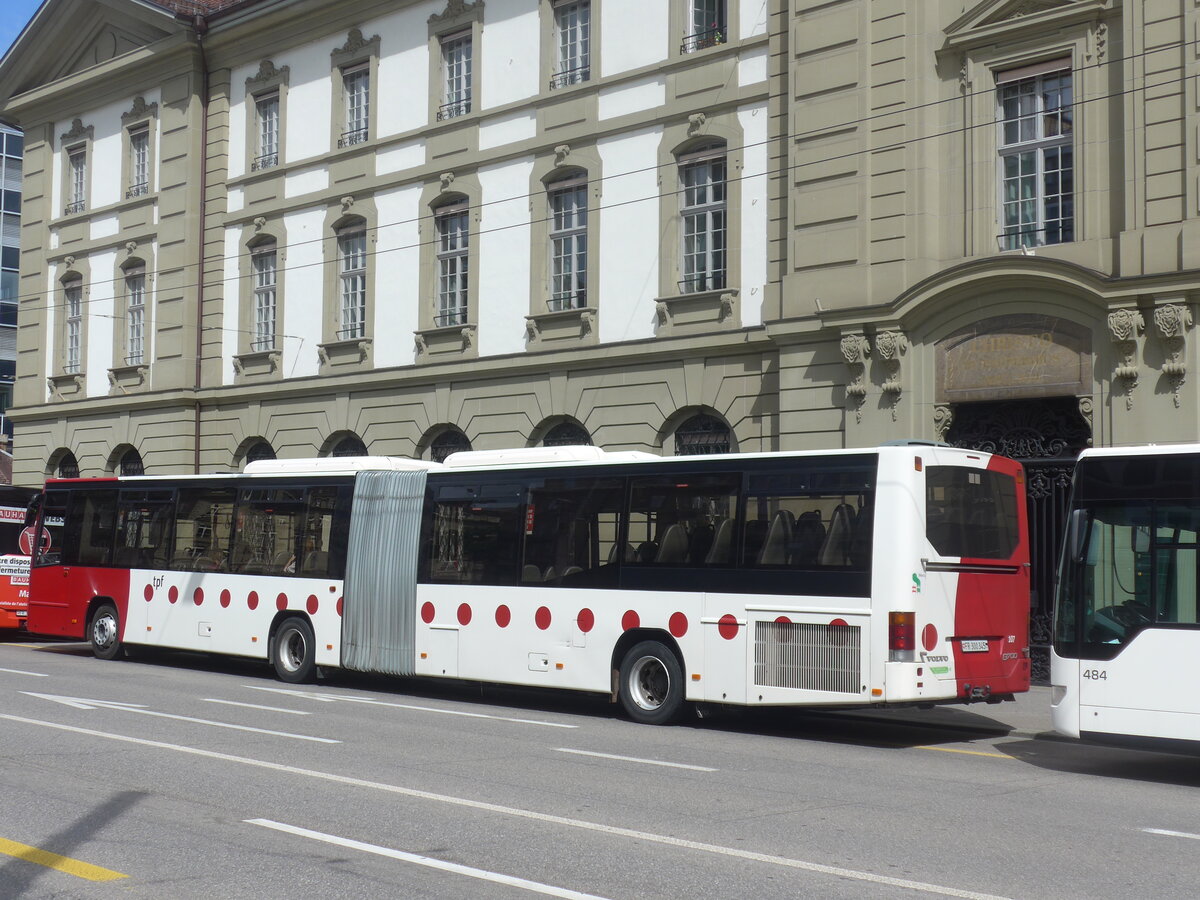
{"points": [[292, 712], [636, 759], [81, 703], [23, 672], [612, 830], [331, 698], [967, 752], [59, 863], [1163, 831], [469, 871]]}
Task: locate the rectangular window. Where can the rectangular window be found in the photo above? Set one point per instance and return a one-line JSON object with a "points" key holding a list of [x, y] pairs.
{"points": [[135, 317], [267, 115], [572, 532], [139, 163], [568, 246], [77, 189], [682, 521], [263, 261], [144, 520], [456, 76], [356, 84], [452, 250], [352, 254], [704, 224], [706, 26], [1037, 169], [203, 524], [270, 526], [73, 297], [971, 512], [88, 532], [475, 534], [573, 40]]}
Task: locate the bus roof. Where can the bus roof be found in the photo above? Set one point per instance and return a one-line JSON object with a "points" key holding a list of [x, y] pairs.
{"points": [[1140, 450]]}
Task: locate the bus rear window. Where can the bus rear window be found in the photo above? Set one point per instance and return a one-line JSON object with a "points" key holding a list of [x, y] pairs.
{"points": [[971, 512]]}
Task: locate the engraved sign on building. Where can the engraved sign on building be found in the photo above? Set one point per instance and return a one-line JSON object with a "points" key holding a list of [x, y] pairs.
{"points": [[1008, 357]]}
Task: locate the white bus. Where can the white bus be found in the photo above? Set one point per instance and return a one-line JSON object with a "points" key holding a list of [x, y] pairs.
{"points": [[893, 575], [1126, 651]]}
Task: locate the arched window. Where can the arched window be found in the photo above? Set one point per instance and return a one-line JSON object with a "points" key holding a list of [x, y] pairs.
{"points": [[68, 466], [349, 446], [567, 434], [131, 463], [449, 441], [258, 451], [700, 435]]}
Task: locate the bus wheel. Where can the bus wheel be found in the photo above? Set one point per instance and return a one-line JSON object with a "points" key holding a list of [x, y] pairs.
{"points": [[651, 684], [105, 630], [295, 651]]}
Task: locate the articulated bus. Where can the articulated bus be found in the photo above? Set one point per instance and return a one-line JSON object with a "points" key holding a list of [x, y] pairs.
{"points": [[1126, 655], [896, 575], [15, 548]]}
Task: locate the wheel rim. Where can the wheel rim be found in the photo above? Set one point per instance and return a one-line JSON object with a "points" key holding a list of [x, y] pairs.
{"points": [[104, 630], [292, 649], [649, 683]]}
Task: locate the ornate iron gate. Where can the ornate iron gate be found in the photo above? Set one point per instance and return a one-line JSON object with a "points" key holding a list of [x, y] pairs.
{"points": [[1045, 436]]}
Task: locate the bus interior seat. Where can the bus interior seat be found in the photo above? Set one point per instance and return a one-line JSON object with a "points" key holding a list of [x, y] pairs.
{"points": [[530, 572], [647, 551], [628, 555], [860, 541], [722, 543], [551, 574], [779, 537], [807, 538], [699, 542], [756, 534], [674, 546], [835, 551], [572, 570]]}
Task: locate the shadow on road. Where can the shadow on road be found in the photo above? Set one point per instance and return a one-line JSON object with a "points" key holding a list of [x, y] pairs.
{"points": [[1080, 758]]}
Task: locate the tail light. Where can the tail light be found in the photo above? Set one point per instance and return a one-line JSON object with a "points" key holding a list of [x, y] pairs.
{"points": [[902, 637]]}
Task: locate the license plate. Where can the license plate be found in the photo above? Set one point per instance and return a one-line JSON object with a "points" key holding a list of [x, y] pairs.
{"points": [[974, 646]]}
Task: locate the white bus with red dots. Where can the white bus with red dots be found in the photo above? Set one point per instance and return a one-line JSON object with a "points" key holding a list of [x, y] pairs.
{"points": [[16, 546], [893, 575], [1126, 653]]}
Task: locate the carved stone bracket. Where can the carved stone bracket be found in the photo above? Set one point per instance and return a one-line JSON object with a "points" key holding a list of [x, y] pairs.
{"points": [[1124, 325], [454, 9], [695, 123], [447, 179], [444, 342], [1085, 412], [561, 326], [890, 346], [419, 343], [267, 72], [561, 152], [943, 418], [1173, 321], [78, 132], [65, 385], [140, 110], [352, 352], [662, 311], [855, 350]]}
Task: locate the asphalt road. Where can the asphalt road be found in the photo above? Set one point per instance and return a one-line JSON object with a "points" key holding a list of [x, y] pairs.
{"points": [[194, 777]]}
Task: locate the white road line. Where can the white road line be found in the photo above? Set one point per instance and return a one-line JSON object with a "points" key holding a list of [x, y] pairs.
{"points": [[1163, 831], [291, 712], [636, 759], [23, 672], [331, 698], [469, 871], [612, 830]]}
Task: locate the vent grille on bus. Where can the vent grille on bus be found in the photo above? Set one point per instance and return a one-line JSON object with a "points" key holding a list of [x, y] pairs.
{"points": [[809, 657]]}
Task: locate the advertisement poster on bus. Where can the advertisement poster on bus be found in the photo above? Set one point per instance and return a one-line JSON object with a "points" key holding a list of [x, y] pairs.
{"points": [[14, 571]]}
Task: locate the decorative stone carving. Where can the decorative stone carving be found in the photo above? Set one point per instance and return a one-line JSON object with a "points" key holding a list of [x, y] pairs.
{"points": [[419, 343], [531, 328], [68, 261], [855, 350], [695, 123], [561, 152], [891, 345], [454, 9], [1100, 40], [355, 42], [943, 418], [1173, 320], [77, 133], [266, 73], [347, 204], [140, 110], [447, 179], [663, 311], [1125, 325], [1085, 411], [260, 222], [587, 322], [468, 336], [727, 301], [130, 247]]}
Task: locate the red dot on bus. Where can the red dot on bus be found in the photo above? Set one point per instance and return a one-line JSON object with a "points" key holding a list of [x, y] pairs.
{"points": [[339, 606], [678, 624], [929, 636], [427, 612], [311, 606], [839, 623], [464, 614], [281, 602], [252, 600], [148, 593], [173, 594], [198, 596], [783, 620], [541, 618], [630, 620], [727, 626], [586, 620], [503, 615], [225, 598]]}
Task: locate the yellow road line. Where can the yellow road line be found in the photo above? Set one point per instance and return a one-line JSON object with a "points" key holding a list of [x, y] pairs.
{"points": [[59, 863], [968, 752]]}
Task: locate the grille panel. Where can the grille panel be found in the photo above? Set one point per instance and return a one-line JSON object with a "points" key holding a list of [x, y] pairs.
{"points": [[808, 656]]}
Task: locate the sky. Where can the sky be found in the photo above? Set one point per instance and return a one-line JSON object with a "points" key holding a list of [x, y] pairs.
{"points": [[14, 16]]}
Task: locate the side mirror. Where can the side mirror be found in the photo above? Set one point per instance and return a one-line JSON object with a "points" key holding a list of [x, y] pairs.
{"points": [[1077, 533]]}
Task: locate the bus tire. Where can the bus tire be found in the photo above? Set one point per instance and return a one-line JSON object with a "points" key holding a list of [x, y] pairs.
{"points": [[295, 651], [104, 632], [650, 684]]}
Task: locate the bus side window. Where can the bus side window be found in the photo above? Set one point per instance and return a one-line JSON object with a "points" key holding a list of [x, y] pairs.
{"points": [[89, 529], [685, 520], [203, 523], [144, 520], [571, 531], [475, 534], [269, 521], [323, 555], [49, 546]]}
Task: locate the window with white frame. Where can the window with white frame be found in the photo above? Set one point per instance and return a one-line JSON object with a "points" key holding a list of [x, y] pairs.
{"points": [[77, 186], [356, 85], [568, 244], [139, 162], [703, 220], [1037, 164], [352, 273], [706, 25], [452, 247], [266, 109], [263, 261], [73, 301], [573, 42], [135, 316], [456, 76]]}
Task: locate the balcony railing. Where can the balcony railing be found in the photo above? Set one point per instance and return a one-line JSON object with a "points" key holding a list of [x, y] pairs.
{"points": [[702, 281], [454, 109], [352, 137], [135, 359], [570, 300], [451, 317], [702, 39], [577, 75], [137, 190], [1036, 236], [266, 161], [77, 207], [352, 333], [260, 344]]}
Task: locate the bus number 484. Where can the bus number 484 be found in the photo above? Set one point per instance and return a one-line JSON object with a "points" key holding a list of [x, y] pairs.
{"points": [[1096, 674]]}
